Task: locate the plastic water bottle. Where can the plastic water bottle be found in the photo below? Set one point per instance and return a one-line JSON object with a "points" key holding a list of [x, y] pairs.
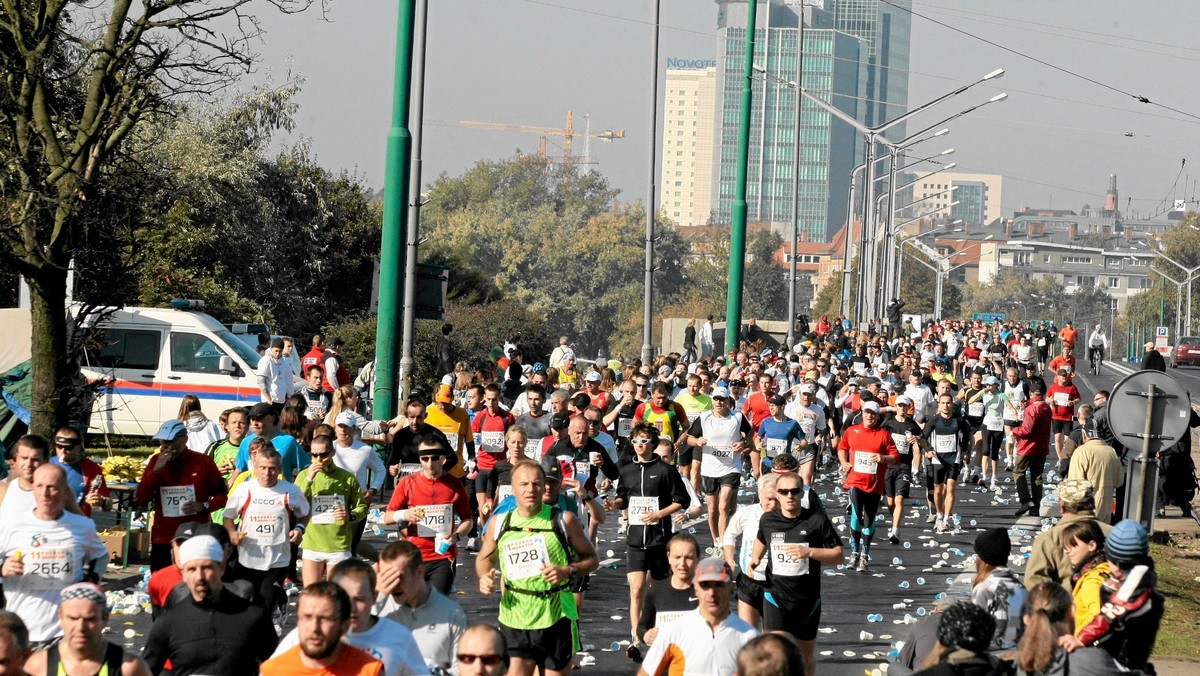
{"points": [[907, 545], [897, 561], [874, 617], [920, 580], [974, 522], [921, 611], [904, 584]]}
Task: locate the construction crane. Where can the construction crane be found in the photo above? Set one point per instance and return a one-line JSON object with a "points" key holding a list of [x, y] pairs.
{"points": [[568, 135]]}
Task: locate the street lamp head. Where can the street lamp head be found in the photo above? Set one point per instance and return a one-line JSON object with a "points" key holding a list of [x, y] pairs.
{"points": [[957, 222], [951, 165], [759, 68], [947, 151], [942, 132], [998, 97], [999, 72]]}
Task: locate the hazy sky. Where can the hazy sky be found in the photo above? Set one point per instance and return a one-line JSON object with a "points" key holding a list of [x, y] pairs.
{"points": [[1055, 140]]}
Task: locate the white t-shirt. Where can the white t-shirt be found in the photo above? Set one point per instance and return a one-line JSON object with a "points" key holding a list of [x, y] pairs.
{"points": [[745, 523], [388, 641], [264, 513], [359, 459], [16, 501], [56, 554], [276, 378], [719, 458], [810, 418], [703, 651]]}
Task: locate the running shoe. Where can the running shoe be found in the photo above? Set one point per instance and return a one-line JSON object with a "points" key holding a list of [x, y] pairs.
{"points": [[622, 525], [995, 487], [862, 563], [852, 562], [940, 528], [932, 518], [892, 537]]}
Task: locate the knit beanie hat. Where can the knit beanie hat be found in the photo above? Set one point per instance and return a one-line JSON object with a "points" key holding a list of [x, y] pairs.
{"points": [[993, 546], [966, 625], [1128, 540]]}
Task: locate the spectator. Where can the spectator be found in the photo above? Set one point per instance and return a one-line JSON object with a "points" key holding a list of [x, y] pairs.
{"points": [[997, 588], [964, 634], [1047, 560], [1047, 617], [770, 655], [1097, 463]]}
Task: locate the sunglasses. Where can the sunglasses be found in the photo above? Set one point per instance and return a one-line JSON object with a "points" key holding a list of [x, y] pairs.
{"points": [[485, 660], [639, 442], [593, 422], [789, 491], [320, 456], [432, 458]]}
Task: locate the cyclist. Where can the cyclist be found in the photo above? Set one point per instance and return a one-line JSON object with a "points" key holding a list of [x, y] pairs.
{"points": [[1097, 345]]}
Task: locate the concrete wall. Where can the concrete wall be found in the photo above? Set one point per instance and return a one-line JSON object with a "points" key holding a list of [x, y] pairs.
{"points": [[672, 334]]}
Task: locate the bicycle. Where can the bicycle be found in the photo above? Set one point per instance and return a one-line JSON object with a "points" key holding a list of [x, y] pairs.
{"points": [[1097, 360]]}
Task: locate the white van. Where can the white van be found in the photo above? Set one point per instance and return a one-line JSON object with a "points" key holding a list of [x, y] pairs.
{"points": [[150, 357]]}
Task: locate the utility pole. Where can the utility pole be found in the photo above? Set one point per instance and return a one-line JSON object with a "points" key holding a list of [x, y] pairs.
{"points": [[648, 301], [393, 236], [737, 239], [413, 226], [791, 317]]}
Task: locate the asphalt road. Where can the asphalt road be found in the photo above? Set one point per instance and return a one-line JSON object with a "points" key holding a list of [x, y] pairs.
{"points": [[912, 574]]}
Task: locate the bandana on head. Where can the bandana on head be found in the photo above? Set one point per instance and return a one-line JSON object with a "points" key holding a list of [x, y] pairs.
{"points": [[86, 591]]}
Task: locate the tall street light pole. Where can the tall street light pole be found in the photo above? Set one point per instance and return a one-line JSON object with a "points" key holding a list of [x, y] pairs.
{"points": [[414, 199], [648, 301], [393, 237], [1192, 274], [791, 316], [737, 235]]}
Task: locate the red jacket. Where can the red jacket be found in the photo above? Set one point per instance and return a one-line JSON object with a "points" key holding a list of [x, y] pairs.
{"points": [[190, 470], [1033, 434]]}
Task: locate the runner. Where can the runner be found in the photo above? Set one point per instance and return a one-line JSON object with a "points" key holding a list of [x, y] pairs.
{"points": [[945, 438], [672, 424], [995, 406], [235, 422], [535, 423], [866, 451], [1062, 396], [324, 615], [185, 486], [263, 519], [1017, 392], [213, 631], [796, 541], [336, 501], [359, 459], [896, 482], [385, 640], [744, 525], [453, 422], [84, 475], [778, 434], [724, 438], [425, 505], [706, 640], [83, 616], [537, 610], [1066, 361], [499, 484], [263, 423], [437, 623], [973, 405], [814, 424], [45, 550], [652, 491], [672, 598], [489, 426]]}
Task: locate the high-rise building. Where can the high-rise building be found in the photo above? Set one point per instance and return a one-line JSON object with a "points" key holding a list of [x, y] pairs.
{"points": [[886, 30], [979, 196], [687, 145], [833, 70]]}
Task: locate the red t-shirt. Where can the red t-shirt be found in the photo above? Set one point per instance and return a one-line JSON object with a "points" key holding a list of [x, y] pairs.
{"points": [[417, 490], [486, 422], [162, 581], [756, 409], [1058, 412], [860, 438]]}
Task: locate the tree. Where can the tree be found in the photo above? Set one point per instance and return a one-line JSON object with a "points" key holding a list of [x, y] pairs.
{"points": [[79, 81], [765, 292], [829, 299]]}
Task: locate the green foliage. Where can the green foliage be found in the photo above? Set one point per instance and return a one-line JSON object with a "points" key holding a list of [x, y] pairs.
{"points": [[765, 294], [918, 287], [551, 239], [829, 299]]}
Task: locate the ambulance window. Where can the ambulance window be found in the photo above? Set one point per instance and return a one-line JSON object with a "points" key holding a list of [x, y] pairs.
{"points": [[195, 353], [128, 349]]}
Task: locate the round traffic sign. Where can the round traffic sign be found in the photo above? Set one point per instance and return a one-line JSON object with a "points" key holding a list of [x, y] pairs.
{"points": [[1128, 407]]}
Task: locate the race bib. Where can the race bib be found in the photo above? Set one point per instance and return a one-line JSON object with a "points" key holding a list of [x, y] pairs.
{"points": [[453, 439], [859, 367], [1041, 342], [49, 568], [582, 469], [783, 563], [863, 463], [323, 506], [975, 409], [525, 557], [1062, 399], [664, 617], [721, 452], [503, 492], [266, 529], [945, 444], [901, 441], [438, 520], [641, 506], [409, 468], [775, 447], [624, 427], [492, 442], [173, 499], [533, 449], [993, 422]]}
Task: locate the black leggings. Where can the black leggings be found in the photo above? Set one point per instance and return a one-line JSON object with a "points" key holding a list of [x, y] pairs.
{"points": [[863, 508], [268, 583], [993, 443]]}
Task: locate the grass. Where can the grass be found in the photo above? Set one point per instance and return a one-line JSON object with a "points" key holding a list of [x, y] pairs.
{"points": [[1178, 566]]}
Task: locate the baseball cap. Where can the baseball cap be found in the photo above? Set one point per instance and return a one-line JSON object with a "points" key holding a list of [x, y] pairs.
{"points": [[720, 393], [552, 469], [991, 380], [713, 569], [346, 418], [444, 394], [593, 377], [778, 400], [903, 401], [185, 531], [871, 406], [170, 430], [261, 410], [852, 381], [807, 389], [560, 421], [664, 370], [1076, 492]]}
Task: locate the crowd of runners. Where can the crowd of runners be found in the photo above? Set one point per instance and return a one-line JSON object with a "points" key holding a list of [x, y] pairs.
{"points": [[512, 468]]}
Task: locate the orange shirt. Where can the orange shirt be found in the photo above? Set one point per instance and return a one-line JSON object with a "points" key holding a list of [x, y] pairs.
{"points": [[1068, 335], [351, 662]]}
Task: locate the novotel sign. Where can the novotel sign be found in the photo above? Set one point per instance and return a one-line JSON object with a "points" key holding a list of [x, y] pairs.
{"points": [[677, 62]]}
